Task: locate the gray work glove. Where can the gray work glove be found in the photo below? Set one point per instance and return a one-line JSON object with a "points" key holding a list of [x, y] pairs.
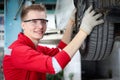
{"points": [[90, 20], [72, 17]]}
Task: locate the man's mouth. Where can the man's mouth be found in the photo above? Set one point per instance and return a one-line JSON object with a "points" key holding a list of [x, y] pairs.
{"points": [[39, 32]]}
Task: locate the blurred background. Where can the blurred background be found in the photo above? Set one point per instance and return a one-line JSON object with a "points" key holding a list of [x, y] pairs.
{"points": [[99, 56]]}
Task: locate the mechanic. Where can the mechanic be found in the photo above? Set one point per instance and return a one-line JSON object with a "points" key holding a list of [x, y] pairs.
{"points": [[26, 60]]}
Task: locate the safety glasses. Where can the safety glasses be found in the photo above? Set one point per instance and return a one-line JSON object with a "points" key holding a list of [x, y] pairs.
{"points": [[37, 22]]}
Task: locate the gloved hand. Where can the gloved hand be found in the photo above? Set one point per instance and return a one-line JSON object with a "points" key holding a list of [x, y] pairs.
{"points": [[72, 17], [89, 20]]}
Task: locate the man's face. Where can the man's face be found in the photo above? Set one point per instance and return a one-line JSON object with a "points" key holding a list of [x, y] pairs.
{"points": [[34, 25]]}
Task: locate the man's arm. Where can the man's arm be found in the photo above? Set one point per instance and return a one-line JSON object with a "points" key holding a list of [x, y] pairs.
{"points": [[75, 44], [89, 21], [68, 32], [69, 28]]}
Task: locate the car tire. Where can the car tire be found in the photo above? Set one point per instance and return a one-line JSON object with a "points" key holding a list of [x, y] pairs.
{"points": [[98, 45]]}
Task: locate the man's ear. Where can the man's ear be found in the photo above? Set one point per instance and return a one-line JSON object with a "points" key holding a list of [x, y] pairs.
{"points": [[22, 25]]}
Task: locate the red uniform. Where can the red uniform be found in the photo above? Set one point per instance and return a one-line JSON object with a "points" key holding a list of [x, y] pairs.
{"points": [[23, 61]]}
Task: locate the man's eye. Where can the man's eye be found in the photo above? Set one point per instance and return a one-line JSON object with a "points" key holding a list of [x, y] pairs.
{"points": [[43, 21], [34, 21]]}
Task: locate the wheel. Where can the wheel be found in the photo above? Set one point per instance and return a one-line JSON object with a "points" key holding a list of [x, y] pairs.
{"points": [[98, 45]]}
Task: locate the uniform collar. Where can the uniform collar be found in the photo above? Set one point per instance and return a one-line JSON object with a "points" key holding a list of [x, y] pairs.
{"points": [[25, 40]]}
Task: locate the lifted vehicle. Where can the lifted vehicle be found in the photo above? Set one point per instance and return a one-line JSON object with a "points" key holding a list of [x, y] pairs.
{"points": [[96, 50], [98, 46], [99, 43]]}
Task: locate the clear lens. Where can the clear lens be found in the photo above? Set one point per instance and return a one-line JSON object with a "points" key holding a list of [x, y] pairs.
{"points": [[35, 22]]}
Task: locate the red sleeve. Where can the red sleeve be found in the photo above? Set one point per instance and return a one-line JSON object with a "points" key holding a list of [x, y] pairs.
{"points": [[63, 58], [24, 57], [52, 51], [61, 45]]}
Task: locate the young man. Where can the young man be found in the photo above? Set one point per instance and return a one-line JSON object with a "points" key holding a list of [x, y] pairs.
{"points": [[26, 60]]}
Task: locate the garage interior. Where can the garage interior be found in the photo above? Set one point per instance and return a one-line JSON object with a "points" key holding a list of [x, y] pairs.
{"points": [[99, 56]]}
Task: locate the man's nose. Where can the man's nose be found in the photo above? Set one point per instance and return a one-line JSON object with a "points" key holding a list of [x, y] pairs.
{"points": [[39, 24]]}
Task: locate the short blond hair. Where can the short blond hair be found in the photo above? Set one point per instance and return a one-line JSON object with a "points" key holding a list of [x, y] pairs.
{"points": [[36, 7]]}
